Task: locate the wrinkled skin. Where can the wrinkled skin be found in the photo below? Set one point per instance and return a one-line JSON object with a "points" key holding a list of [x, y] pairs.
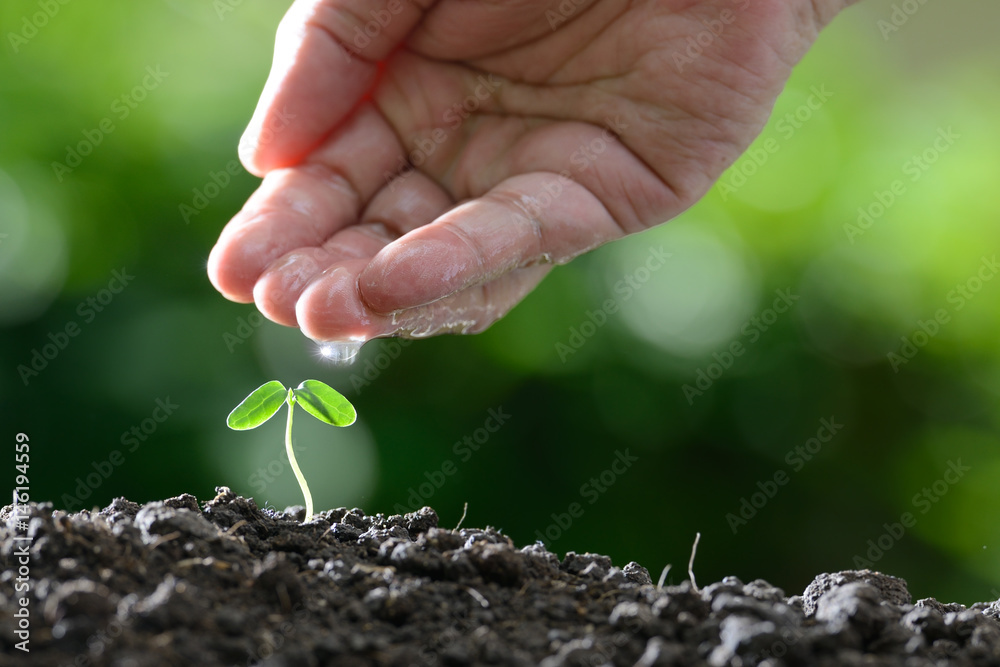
{"points": [[575, 130]]}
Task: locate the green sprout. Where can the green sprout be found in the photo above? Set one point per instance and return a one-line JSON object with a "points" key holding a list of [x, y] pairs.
{"points": [[318, 399]]}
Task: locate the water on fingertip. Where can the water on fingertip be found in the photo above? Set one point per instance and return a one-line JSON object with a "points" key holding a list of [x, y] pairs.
{"points": [[340, 353], [427, 323]]}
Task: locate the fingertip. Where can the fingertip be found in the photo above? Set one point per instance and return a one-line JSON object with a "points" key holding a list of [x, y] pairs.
{"points": [[310, 91], [411, 273], [220, 273], [273, 300], [247, 152], [271, 141], [330, 309]]}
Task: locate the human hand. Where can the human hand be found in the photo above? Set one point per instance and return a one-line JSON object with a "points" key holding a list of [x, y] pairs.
{"points": [[422, 177]]}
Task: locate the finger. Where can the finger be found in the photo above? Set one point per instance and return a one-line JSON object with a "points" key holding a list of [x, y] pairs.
{"points": [[540, 217], [279, 288], [331, 308], [411, 201], [303, 206], [325, 57]]}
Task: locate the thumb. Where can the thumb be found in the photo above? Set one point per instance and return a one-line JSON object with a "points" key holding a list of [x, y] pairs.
{"points": [[526, 220]]}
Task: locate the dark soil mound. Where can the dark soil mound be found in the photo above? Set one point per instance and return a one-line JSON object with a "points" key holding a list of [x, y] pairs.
{"points": [[171, 583]]}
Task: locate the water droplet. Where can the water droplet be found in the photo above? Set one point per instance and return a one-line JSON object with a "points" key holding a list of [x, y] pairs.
{"points": [[342, 353]]}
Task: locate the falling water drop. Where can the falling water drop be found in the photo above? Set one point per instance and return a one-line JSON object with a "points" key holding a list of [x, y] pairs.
{"points": [[342, 353]]}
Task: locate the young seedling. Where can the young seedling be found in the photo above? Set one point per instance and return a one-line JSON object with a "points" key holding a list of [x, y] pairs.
{"points": [[318, 399]]}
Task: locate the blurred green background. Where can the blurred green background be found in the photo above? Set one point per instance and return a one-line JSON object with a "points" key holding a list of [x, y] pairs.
{"points": [[861, 107]]}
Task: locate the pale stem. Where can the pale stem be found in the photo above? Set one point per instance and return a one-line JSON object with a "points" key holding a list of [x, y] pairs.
{"points": [[295, 465]]}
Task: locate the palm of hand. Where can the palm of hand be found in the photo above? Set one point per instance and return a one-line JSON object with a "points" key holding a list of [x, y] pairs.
{"points": [[512, 145]]}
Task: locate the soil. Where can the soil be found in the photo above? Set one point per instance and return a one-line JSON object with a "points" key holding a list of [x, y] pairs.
{"points": [[226, 583]]}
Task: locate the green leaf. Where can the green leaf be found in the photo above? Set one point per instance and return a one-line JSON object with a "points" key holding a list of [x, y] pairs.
{"points": [[258, 407], [325, 403]]}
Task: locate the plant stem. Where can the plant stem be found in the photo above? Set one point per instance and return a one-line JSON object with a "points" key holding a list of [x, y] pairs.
{"points": [[295, 465]]}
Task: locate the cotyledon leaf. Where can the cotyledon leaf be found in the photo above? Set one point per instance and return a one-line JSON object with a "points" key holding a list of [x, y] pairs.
{"points": [[325, 403], [258, 407]]}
